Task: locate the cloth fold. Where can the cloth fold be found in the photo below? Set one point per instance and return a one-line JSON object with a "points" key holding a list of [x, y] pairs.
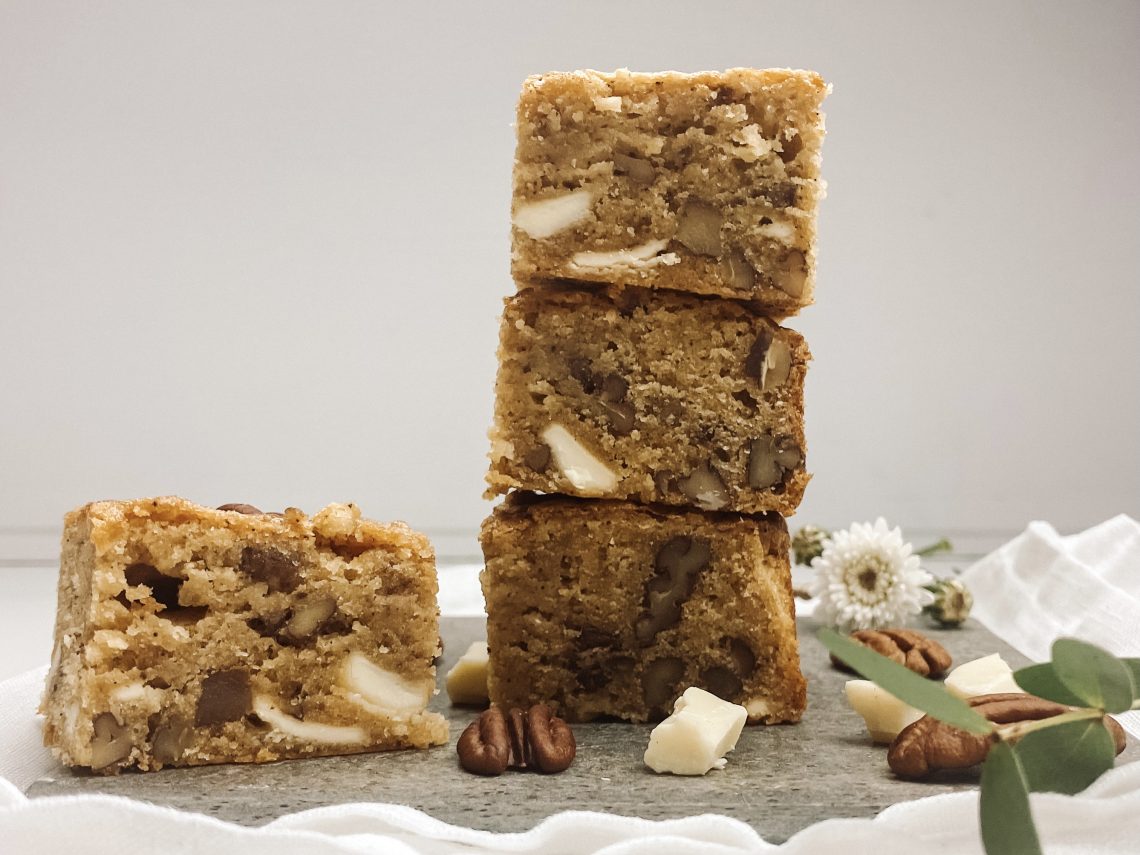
{"points": [[1102, 820], [1035, 588], [1041, 586]]}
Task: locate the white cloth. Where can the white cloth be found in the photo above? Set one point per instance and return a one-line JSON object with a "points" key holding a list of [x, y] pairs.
{"points": [[1096, 577], [1041, 586]]}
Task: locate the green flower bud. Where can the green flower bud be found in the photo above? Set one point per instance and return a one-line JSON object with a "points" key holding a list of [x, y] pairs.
{"points": [[807, 545], [952, 602]]}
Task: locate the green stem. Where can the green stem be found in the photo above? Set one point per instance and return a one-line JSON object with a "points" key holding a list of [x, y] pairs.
{"points": [[943, 545], [1018, 729]]}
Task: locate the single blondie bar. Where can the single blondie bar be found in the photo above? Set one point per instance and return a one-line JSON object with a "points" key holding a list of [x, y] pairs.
{"points": [[606, 608], [707, 182], [187, 635], [660, 397]]}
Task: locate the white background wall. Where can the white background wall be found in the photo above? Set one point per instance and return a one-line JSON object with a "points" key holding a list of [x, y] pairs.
{"points": [[254, 251]]}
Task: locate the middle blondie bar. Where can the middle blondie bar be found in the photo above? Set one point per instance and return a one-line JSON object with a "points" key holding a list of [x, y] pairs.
{"points": [[652, 396]]}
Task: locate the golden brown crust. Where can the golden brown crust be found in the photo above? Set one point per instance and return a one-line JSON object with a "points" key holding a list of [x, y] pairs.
{"points": [[625, 82], [111, 516]]}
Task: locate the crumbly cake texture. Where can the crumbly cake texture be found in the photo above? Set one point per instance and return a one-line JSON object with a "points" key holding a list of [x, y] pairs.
{"points": [[706, 182], [187, 636], [653, 396], [605, 608]]}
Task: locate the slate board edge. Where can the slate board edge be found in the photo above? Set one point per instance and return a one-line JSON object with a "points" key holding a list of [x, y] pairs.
{"points": [[780, 780]]}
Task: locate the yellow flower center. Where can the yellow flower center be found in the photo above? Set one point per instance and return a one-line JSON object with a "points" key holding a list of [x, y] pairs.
{"points": [[867, 578]]}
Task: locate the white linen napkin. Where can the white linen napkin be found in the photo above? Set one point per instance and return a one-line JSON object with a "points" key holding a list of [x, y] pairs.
{"points": [[1041, 586], [1034, 588], [1103, 820]]}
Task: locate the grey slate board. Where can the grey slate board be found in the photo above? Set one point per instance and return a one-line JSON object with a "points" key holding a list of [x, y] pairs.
{"points": [[779, 779]]}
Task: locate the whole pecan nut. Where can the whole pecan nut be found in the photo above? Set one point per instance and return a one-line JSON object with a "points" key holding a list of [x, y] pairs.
{"points": [[929, 745], [517, 739], [485, 746], [924, 656]]}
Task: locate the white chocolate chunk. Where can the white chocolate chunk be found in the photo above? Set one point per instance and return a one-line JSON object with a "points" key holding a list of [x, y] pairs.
{"points": [[545, 217], [777, 365], [984, 676], [751, 145], [778, 230], [644, 255], [307, 731], [128, 692], [695, 738], [467, 680], [757, 708], [883, 713], [111, 638], [581, 468], [611, 104], [384, 690]]}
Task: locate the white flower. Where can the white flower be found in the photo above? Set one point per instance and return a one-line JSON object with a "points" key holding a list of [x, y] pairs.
{"points": [[867, 577]]}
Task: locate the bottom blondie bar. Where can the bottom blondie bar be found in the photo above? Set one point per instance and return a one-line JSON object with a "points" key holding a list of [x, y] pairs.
{"points": [[187, 635], [606, 608]]}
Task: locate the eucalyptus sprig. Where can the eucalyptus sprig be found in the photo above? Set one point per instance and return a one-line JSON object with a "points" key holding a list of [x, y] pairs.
{"points": [[1062, 754]]}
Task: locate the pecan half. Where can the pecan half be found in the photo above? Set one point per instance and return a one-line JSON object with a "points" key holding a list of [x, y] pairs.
{"points": [[517, 739], [485, 746], [929, 745], [240, 508], [924, 656]]}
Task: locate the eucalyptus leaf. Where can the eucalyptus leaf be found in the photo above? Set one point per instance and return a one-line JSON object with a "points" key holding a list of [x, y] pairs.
{"points": [[1007, 824], [1066, 758], [1094, 675], [1042, 681], [927, 695]]}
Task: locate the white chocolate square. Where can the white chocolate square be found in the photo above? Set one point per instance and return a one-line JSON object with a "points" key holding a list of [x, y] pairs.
{"points": [[467, 680], [988, 675], [883, 713], [695, 738]]}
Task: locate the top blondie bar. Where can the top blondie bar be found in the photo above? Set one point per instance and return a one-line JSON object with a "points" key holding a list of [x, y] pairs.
{"points": [[706, 183]]}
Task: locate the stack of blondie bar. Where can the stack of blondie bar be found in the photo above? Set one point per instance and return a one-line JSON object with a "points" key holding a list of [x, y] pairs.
{"points": [[648, 425]]}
